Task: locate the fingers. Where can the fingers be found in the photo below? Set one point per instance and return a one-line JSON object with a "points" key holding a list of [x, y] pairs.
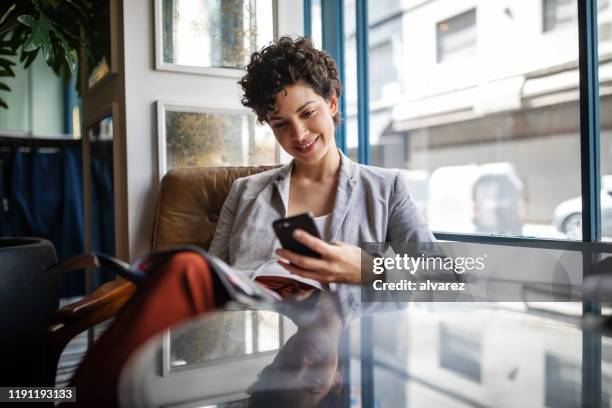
{"points": [[304, 262], [305, 273], [312, 242]]}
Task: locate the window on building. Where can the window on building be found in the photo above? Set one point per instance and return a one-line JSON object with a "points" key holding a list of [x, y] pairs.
{"points": [[456, 37], [382, 69], [564, 13], [559, 13]]}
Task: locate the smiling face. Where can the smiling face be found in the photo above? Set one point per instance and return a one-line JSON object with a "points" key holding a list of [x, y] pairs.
{"points": [[303, 123], [303, 372]]}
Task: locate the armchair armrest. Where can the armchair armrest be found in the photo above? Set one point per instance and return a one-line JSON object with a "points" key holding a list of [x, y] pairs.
{"points": [[70, 320], [99, 305]]}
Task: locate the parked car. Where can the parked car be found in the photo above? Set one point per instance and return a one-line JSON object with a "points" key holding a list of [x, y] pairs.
{"points": [[499, 206], [486, 198], [568, 215]]}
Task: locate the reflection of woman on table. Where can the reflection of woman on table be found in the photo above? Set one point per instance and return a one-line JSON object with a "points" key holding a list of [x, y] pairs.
{"points": [[305, 372]]}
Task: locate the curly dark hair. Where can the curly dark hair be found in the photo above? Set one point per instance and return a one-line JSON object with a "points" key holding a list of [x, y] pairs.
{"points": [[285, 62]]}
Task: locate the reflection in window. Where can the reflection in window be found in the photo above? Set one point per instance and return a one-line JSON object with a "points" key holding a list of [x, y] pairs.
{"points": [[217, 139], [460, 351], [215, 33], [563, 382], [456, 37]]}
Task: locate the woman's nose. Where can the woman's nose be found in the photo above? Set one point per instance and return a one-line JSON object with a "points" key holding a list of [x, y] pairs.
{"points": [[299, 130]]}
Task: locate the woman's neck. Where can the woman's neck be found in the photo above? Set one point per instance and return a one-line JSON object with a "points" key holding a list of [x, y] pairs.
{"points": [[328, 166]]}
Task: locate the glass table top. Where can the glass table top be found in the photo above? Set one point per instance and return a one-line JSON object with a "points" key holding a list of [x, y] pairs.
{"points": [[311, 354]]}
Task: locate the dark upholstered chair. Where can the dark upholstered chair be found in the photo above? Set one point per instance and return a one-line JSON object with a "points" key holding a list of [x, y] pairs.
{"points": [[188, 207]]}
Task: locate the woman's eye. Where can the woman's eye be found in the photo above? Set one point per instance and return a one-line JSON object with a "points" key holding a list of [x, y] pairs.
{"points": [[278, 126], [308, 113]]}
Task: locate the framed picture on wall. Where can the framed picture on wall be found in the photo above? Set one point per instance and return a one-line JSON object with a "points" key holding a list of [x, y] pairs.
{"points": [[209, 36], [207, 136]]}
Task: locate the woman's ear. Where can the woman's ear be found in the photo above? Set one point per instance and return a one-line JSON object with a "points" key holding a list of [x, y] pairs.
{"points": [[333, 104]]}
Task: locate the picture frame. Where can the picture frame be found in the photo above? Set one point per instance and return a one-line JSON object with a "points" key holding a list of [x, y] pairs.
{"points": [[162, 65], [260, 141]]}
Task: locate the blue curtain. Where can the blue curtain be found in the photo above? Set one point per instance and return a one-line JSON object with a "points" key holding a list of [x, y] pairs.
{"points": [[41, 189], [102, 203]]}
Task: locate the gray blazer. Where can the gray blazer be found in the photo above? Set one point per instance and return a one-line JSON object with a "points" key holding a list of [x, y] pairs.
{"points": [[372, 205]]}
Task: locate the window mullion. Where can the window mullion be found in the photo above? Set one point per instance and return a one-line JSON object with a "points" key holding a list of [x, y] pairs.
{"points": [[332, 21], [363, 99], [307, 18], [590, 180], [589, 120]]}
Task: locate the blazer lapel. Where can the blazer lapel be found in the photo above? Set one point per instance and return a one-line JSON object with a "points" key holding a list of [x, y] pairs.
{"points": [[345, 195], [281, 184]]}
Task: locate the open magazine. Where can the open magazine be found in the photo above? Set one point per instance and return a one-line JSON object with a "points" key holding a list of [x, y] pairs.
{"points": [[240, 287]]}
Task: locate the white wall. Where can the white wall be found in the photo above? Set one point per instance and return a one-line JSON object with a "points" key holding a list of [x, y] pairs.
{"points": [[144, 86], [510, 42]]}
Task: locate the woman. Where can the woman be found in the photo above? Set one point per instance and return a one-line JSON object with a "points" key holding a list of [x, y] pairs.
{"points": [[294, 88]]}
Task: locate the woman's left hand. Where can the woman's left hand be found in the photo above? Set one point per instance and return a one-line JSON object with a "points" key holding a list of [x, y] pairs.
{"points": [[339, 262]]}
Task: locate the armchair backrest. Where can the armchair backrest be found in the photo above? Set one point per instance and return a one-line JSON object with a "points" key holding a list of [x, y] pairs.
{"points": [[189, 203]]}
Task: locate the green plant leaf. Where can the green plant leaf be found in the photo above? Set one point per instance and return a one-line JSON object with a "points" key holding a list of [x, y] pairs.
{"points": [[3, 104], [28, 58], [70, 56], [27, 20], [5, 87], [6, 63], [39, 37], [6, 67]]}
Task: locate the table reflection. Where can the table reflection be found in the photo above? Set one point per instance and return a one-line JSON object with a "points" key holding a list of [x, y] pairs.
{"points": [[313, 354]]}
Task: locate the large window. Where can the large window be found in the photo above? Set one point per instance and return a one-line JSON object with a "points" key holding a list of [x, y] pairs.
{"points": [[494, 132], [492, 149]]}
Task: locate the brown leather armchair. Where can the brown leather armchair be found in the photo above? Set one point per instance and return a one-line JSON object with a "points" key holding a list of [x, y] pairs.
{"points": [[187, 210]]}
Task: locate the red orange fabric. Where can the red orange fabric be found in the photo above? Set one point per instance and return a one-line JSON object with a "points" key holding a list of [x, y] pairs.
{"points": [[180, 288]]}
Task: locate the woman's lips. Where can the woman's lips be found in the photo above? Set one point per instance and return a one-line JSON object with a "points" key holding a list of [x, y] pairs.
{"points": [[306, 147]]}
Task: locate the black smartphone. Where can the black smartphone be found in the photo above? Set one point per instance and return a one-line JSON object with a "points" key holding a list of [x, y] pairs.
{"points": [[284, 228]]}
